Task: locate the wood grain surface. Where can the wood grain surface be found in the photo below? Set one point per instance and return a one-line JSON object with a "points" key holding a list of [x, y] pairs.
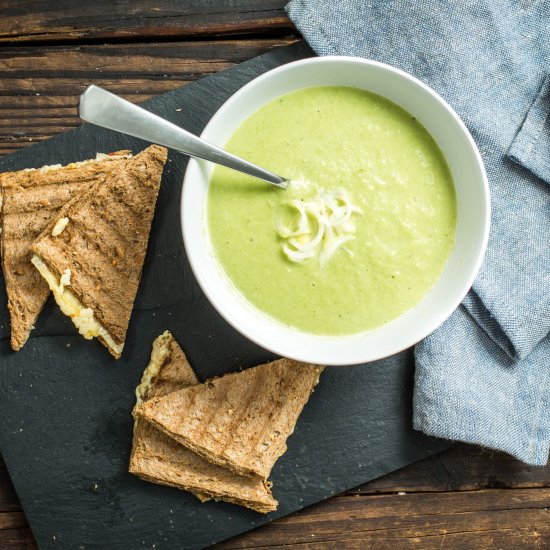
{"points": [[39, 86], [126, 20], [50, 51]]}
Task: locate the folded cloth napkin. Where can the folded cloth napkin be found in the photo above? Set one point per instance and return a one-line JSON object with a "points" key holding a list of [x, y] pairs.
{"points": [[484, 375]]}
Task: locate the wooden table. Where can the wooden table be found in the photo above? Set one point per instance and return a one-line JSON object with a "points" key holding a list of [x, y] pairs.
{"points": [[49, 51]]}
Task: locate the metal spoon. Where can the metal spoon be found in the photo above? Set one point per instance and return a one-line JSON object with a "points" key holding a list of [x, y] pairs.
{"points": [[108, 110]]}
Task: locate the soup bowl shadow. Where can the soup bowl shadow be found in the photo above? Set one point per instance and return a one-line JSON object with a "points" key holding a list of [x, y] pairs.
{"points": [[473, 212]]}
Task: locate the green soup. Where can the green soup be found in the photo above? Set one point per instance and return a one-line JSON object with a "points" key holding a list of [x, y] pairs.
{"points": [[390, 167]]}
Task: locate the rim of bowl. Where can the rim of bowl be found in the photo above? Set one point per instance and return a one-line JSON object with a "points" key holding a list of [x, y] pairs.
{"points": [[407, 343]]}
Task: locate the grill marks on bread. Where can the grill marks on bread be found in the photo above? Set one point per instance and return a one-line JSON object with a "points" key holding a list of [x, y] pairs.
{"points": [[158, 458], [31, 199], [105, 241], [240, 421]]}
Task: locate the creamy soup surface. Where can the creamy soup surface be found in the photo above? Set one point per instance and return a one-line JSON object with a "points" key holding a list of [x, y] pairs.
{"points": [[365, 227]]}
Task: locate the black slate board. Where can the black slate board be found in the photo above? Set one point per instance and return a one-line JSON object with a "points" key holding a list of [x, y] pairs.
{"points": [[65, 404]]}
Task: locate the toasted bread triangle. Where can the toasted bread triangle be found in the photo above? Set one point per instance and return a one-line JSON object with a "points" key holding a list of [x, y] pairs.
{"points": [[240, 421], [158, 458], [93, 266], [30, 199]]}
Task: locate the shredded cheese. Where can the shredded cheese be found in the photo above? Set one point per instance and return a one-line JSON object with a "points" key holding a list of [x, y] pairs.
{"points": [[319, 226], [100, 157], [49, 167], [59, 226]]}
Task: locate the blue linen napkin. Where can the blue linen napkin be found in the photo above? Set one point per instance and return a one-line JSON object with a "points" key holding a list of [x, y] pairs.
{"points": [[484, 376]]}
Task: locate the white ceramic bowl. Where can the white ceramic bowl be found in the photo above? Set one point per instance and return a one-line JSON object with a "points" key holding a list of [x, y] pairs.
{"points": [[472, 229]]}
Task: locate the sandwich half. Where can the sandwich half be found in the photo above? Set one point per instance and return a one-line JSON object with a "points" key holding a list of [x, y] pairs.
{"points": [[240, 421], [29, 200], [91, 254], [158, 458]]}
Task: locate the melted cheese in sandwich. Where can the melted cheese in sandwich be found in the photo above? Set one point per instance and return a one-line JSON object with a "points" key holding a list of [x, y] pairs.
{"points": [[59, 226], [100, 157], [82, 317], [159, 354]]}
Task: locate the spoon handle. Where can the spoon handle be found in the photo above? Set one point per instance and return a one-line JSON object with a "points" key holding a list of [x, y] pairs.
{"points": [[108, 110]]}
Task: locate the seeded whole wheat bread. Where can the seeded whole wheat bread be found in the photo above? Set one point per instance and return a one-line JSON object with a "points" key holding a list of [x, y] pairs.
{"points": [[30, 199], [158, 458], [105, 241], [240, 421]]}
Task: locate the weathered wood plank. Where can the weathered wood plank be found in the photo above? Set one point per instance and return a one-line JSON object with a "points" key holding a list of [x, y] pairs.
{"points": [[39, 88], [17, 539], [8, 499], [463, 468], [12, 520], [503, 539], [133, 59], [423, 520], [71, 20]]}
